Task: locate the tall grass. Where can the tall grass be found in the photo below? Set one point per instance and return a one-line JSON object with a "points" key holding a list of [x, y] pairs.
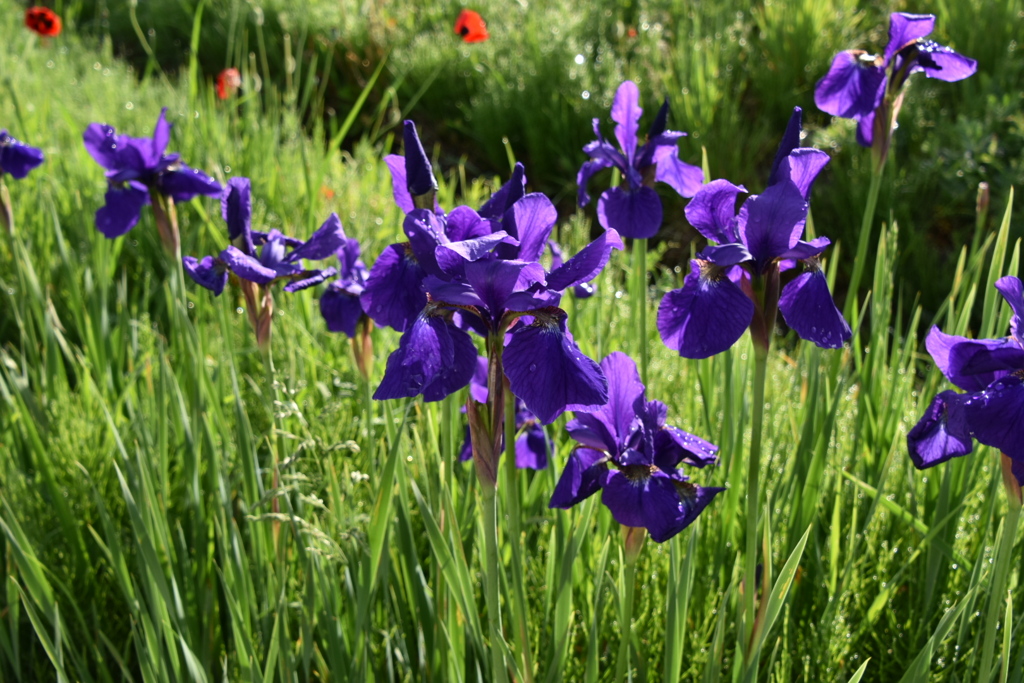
{"points": [[171, 511]]}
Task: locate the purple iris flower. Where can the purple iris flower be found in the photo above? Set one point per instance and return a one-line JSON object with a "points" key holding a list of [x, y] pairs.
{"points": [[735, 284], [867, 88], [16, 157], [532, 446], [484, 275], [259, 259], [991, 371], [631, 456], [634, 208], [393, 294], [138, 171]]}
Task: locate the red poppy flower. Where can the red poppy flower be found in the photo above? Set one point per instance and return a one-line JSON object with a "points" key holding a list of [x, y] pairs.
{"points": [[471, 27], [228, 81], [43, 21]]}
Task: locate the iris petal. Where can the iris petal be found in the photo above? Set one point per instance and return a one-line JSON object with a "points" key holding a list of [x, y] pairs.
{"points": [[393, 297], [996, 416], [706, 316], [808, 308], [942, 432], [632, 213], [712, 211], [852, 88], [626, 114], [206, 273], [121, 212], [548, 371], [583, 476], [973, 364], [341, 311]]}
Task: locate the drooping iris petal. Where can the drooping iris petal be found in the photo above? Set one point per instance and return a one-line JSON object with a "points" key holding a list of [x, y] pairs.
{"points": [[626, 114], [808, 308], [805, 250], [121, 212], [393, 297], [706, 316], [185, 183], [853, 87], [586, 264], [682, 177], [584, 475], [942, 432], [904, 29], [866, 129], [692, 501], [973, 364], [770, 223], [247, 267], [311, 279], [632, 213], [712, 211], [326, 241], [430, 360], [16, 157], [341, 310], [548, 371], [206, 273], [943, 63], [650, 501], [996, 416], [675, 446]]}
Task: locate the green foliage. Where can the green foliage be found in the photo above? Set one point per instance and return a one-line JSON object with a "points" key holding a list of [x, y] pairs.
{"points": [[171, 509]]}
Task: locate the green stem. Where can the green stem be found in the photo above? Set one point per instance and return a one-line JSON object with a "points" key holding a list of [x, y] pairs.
{"points": [[515, 535], [996, 594], [640, 301], [499, 672], [753, 494], [862, 240], [622, 668]]}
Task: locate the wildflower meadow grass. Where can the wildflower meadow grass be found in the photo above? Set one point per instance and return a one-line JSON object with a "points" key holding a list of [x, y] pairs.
{"points": [[197, 487]]}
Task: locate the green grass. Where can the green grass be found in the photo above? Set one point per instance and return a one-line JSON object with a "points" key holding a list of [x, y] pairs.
{"points": [[171, 512]]}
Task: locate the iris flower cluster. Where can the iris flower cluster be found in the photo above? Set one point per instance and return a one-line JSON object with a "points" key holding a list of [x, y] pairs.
{"points": [[480, 271], [869, 88], [258, 259], [139, 173], [633, 208], [991, 372], [734, 284], [631, 456]]}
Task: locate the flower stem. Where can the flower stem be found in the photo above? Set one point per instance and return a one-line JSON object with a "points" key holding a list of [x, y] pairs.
{"points": [[877, 170], [627, 588], [752, 493], [514, 513], [997, 592], [640, 301], [489, 503]]}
